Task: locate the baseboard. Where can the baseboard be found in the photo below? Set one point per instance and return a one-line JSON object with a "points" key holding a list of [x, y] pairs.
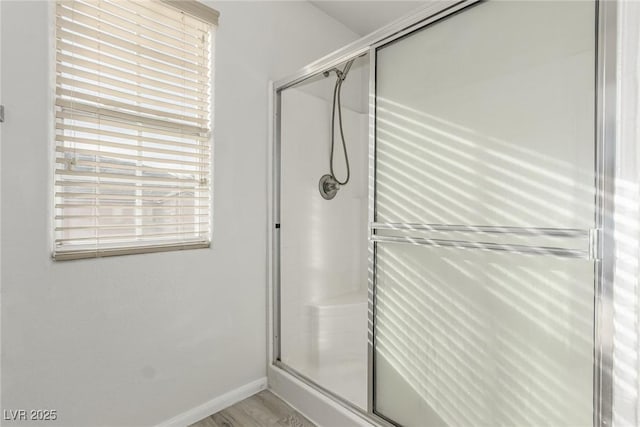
{"points": [[216, 404]]}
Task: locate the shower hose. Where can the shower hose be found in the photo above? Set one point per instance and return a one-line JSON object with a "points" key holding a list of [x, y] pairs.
{"points": [[336, 100]]}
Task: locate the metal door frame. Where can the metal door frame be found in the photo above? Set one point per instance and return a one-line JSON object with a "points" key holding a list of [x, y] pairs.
{"points": [[602, 237]]}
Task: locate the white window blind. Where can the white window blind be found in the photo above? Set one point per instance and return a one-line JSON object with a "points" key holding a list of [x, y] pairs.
{"points": [[133, 127]]}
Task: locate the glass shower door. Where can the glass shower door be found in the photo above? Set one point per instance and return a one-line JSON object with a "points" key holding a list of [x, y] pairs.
{"points": [[484, 218]]}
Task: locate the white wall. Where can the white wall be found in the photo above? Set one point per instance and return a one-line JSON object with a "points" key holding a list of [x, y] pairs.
{"points": [[136, 340]]}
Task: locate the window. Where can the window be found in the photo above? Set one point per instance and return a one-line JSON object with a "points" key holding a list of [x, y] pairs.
{"points": [[132, 126]]}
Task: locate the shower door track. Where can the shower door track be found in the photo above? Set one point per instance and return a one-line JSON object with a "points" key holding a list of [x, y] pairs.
{"points": [[601, 239]]}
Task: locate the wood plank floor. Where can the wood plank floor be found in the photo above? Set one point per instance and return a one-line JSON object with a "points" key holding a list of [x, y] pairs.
{"points": [[260, 410]]}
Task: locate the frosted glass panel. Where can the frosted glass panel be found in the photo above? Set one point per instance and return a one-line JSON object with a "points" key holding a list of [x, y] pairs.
{"points": [[487, 118], [471, 338]]}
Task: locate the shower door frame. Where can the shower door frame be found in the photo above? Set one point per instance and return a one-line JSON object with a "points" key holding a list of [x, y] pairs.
{"points": [[602, 241]]}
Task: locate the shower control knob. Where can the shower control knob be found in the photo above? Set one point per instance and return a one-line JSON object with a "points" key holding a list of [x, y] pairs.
{"points": [[328, 187]]}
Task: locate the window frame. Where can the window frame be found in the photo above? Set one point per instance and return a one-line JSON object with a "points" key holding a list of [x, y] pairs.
{"points": [[194, 9]]}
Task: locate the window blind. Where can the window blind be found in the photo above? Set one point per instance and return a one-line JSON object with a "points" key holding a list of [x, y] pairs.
{"points": [[132, 127]]}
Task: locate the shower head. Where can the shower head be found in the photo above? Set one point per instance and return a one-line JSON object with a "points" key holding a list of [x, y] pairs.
{"points": [[346, 69], [342, 74]]}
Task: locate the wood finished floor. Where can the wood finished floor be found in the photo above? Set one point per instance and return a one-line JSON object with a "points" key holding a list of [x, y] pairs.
{"points": [[260, 410]]}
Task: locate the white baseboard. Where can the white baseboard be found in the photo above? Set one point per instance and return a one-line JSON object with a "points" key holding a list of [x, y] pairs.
{"points": [[216, 404]]}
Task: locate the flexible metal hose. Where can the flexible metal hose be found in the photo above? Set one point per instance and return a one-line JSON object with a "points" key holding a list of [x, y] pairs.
{"points": [[336, 100]]}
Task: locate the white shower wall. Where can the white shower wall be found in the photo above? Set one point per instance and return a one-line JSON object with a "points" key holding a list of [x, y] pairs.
{"points": [[324, 242]]}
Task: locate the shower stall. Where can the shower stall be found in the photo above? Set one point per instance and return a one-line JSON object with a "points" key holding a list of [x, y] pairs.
{"points": [[461, 274]]}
